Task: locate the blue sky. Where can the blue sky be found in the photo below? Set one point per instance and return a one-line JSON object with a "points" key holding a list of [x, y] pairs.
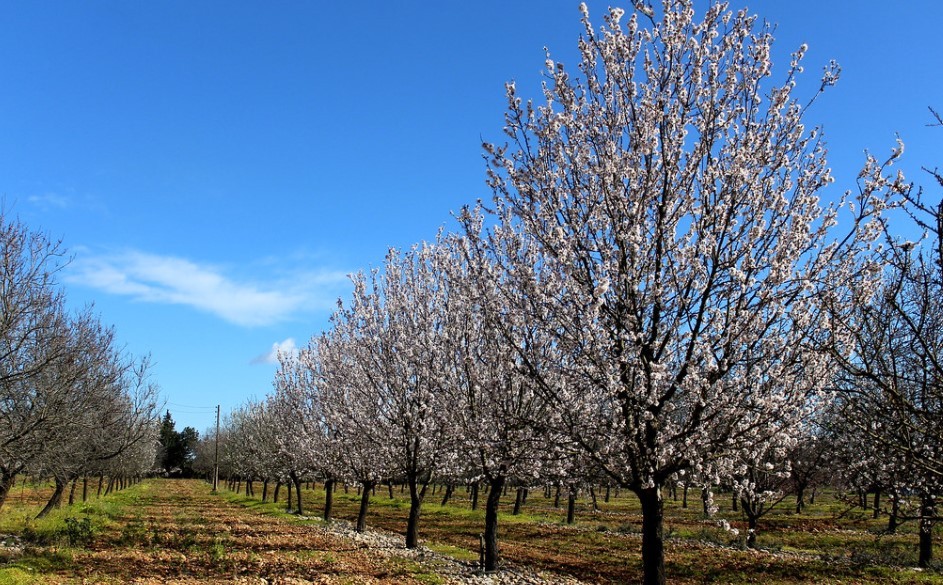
{"points": [[217, 168]]}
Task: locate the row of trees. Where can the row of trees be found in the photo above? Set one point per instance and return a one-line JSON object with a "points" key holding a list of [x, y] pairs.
{"points": [[73, 403], [655, 295]]}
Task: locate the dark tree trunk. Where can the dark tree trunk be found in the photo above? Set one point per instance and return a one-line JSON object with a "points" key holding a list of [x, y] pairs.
{"points": [[653, 546], [877, 504], [101, 480], [684, 496], [328, 499], [927, 514], [518, 500], [812, 497], [417, 492], [800, 497], [491, 522], [556, 497], [571, 506], [7, 478], [474, 496], [264, 490], [592, 495], [735, 502], [75, 484], [895, 512], [752, 522], [278, 487], [705, 498], [364, 503], [84, 488], [298, 495], [288, 504], [606, 497], [389, 485], [448, 494], [55, 500]]}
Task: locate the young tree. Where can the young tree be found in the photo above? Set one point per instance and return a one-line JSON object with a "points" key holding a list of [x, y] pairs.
{"points": [[674, 197]]}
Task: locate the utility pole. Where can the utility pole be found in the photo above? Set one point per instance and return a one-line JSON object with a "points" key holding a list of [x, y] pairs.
{"points": [[216, 455]]}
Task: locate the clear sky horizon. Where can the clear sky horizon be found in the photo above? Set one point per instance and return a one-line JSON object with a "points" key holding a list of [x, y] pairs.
{"points": [[216, 169]]}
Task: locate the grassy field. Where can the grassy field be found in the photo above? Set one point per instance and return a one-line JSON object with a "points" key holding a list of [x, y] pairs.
{"points": [[830, 542], [164, 531]]}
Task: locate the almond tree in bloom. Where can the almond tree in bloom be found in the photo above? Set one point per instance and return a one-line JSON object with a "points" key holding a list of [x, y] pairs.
{"points": [[302, 443], [351, 409], [397, 347], [673, 193], [503, 424]]}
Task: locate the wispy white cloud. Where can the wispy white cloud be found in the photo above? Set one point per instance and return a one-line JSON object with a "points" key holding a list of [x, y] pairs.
{"points": [[286, 347], [47, 201], [255, 301]]}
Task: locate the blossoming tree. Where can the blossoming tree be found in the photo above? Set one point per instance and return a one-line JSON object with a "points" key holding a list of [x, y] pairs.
{"points": [[673, 193]]}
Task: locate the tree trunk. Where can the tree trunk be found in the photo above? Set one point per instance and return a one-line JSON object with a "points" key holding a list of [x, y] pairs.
{"points": [[605, 498], [705, 498], [264, 490], [895, 512], [55, 500], [800, 498], [518, 500], [592, 496], [556, 497], [448, 494], [278, 487], [416, 493], [751, 529], [364, 503], [298, 495], [75, 484], [653, 546], [877, 504], [101, 480], [684, 496], [7, 478], [288, 504], [571, 506], [474, 496], [328, 499], [491, 522], [927, 514], [735, 502], [84, 488], [389, 486]]}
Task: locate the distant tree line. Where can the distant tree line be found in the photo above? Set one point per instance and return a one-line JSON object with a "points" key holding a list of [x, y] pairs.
{"points": [[74, 404]]}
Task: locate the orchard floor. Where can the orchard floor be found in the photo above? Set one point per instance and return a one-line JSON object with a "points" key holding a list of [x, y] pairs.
{"points": [[176, 531]]}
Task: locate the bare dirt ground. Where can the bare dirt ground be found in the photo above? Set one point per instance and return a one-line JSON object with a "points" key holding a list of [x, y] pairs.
{"points": [[178, 532]]}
